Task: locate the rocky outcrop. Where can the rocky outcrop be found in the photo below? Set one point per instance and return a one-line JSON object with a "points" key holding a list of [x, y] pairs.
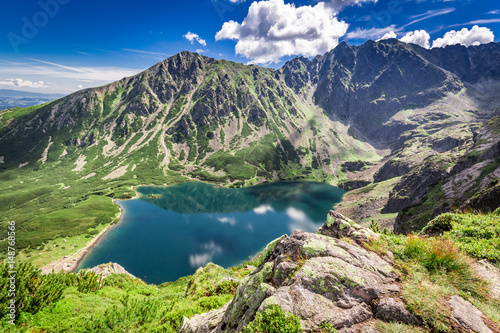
{"points": [[393, 310], [489, 273], [466, 317], [203, 323], [110, 268], [327, 277], [339, 226], [353, 184], [392, 168], [355, 166]]}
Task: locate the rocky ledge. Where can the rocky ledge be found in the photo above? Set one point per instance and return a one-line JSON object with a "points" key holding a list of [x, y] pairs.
{"points": [[327, 277], [109, 269]]}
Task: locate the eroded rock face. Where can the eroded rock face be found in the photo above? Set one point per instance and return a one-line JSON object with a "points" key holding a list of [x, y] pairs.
{"points": [[203, 323], [323, 277], [393, 310], [491, 274], [466, 316]]}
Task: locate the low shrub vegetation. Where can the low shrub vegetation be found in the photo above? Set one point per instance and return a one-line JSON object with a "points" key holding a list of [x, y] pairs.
{"points": [[274, 320], [476, 234], [84, 302]]}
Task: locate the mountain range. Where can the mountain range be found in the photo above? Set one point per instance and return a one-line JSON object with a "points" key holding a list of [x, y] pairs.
{"points": [[411, 132]]}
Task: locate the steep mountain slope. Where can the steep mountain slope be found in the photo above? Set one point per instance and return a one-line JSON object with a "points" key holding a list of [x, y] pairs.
{"points": [[367, 85], [184, 110], [469, 180]]}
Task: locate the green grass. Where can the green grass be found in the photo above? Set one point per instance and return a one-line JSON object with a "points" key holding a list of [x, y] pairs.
{"points": [[432, 270], [274, 320], [476, 234], [397, 328], [7, 116]]}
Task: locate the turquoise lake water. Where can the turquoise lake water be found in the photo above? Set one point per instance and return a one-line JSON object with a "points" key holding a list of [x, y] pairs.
{"points": [[193, 223]]}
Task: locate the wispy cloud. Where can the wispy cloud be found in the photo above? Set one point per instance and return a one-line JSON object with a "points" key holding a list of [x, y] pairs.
{"points": [[474, 22], [494, 12], [486, 21], [151, 53], [373, 33], [84, 74], [58, 65], [428, 14]]}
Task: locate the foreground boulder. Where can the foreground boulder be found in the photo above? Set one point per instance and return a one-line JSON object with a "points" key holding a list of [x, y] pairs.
{"points": [[328, 277], [466, 317]]}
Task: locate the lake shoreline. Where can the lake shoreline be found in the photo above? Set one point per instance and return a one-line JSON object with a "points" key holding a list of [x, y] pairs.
{"points": [[94, 242], [194, 223], [71, 262]]}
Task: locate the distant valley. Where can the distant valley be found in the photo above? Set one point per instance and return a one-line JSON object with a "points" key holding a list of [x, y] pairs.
{"points": [[20, 99]]}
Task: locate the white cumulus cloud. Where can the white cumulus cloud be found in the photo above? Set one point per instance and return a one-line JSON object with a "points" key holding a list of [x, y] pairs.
{"points": [[272, 30], [389, 35], [192, 37], [23, 83], [475, 36], [419, 37], [79, 86]]}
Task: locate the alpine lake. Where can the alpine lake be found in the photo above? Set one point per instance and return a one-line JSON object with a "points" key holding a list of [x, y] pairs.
{"points": [[168, 232]]}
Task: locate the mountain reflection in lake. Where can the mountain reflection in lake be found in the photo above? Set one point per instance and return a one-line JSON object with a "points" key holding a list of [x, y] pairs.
{"points": [[191, 224]]}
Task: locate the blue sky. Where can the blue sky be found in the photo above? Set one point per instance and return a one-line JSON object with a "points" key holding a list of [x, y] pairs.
{"points": [[60, 46]]}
